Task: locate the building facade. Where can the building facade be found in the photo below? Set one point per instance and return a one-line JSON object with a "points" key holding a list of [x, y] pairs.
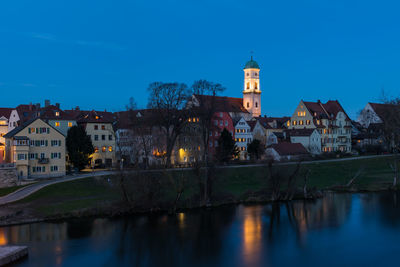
{"points": [[37, 150], [329, 119]]}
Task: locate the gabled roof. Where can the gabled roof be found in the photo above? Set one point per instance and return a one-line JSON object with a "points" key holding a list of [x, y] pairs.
{"points": [[268, 122], [382, 110], [252, 124], [5, 112], [49, 113], [124, 119], [24, 125], [92, 116], [326, 110], [284, 149], [222, 103], [26, 112]]}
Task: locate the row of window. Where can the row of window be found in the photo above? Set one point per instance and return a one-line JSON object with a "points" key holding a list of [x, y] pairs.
{"points": [[96, 127], [330, 149], [221, 123], [103, 137], [300, 122], [57, 124], [193, 120], [242, 130], [41, 130], [301, 113], [103, 149], [36, 169], [211, 144], [243, 140]]}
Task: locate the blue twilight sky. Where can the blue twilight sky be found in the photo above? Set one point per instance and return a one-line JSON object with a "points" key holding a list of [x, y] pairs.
{"points": [[96, 54]]}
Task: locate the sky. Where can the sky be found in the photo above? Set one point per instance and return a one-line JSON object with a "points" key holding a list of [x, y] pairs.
{"points": [[97, 54]]}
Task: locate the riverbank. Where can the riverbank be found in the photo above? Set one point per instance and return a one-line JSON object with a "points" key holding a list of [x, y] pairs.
{"points": [[179, 190]]}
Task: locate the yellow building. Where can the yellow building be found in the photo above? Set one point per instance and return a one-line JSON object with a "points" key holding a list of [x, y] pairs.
{"points": [[37, 150], [99, 126]]}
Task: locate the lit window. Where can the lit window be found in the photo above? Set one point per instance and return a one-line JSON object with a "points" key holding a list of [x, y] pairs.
{"points": [[301, 122], [294, 122], [103, 127], [255, 86], [103, 149], [69, 124], [248, 86], [288, 123], [97, 117], [57, 124], [96, 149], [57, 113], [110, 148]]}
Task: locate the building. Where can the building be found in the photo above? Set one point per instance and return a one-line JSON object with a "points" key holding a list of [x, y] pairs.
{"points": [[329, 119], [251, 88], [22, 114], [287, 151], [4, 117], [309, 138], [37, 149], [99, 127], [54, 116], [243, 137]]}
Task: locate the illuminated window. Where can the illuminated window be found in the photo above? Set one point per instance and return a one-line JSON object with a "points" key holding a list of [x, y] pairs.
{"points": [[69, 124], [57, 124], [248, 86], [96, 149], [301, 122], [103, 127], [318, 122], [288, 123], [97, 117], [57, 113], [255, 86], [110, 148], [324, 131], [294, 122], [190, 119], [103, 149], [308, 122]]}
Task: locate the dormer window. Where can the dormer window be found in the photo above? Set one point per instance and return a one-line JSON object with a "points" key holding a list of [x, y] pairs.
{"points": [[97, 117]]}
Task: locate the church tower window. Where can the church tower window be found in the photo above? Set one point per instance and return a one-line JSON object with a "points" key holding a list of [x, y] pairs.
{"points": [[248, 104]]}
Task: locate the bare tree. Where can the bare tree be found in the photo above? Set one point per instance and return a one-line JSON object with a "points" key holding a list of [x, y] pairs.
{"points": [[169, 99]]}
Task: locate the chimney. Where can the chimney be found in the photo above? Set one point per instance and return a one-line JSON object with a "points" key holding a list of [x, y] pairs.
{"points": [[77, 108], [30, 106], [37, 106], [46, 103], [58, 105], [318, 101]]}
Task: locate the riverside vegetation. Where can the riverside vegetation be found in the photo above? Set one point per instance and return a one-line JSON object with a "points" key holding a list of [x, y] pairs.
{"points": [[175, 190]]}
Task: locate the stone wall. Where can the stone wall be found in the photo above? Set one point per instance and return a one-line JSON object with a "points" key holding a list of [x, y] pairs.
{"points": [[8, 176]]}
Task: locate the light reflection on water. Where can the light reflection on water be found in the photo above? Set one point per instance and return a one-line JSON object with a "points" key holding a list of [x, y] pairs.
{"points": [[340, 228]]}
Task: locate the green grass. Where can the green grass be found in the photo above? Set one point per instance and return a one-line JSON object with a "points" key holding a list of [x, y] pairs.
{"points": [[162, 187], [8, 190]]}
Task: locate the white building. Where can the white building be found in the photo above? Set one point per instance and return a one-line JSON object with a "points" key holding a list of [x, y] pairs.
{"points": [[243, 137], [309, 138]]}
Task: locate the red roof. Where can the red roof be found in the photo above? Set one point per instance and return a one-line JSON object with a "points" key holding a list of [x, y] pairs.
{"points": [[325, 111], [289, 149], [93, 116], [382, 110], [223, 103], [49, 113], [270, 122]]}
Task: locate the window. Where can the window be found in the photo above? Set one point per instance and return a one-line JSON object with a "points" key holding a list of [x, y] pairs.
{"points": [[301, 122], [103, 137], [57, 124], [256, 105], [22, 157], [221, 114], [53, 168], [96, 149], [110, 137], [42, 155], [69, 124], [226, 123], [308, 122], [221, 123], [247, 74], [103, 127], [294, 122], [248, 86], [96, 127], [248, 104], [110, 148], [103, 149], [256, 86], [57, 114], [96, 137]]}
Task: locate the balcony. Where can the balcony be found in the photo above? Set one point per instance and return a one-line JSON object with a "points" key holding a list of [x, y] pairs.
{"points": [[43, 161]]}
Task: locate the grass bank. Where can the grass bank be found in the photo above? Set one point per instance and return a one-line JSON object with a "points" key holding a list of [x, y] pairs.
{"points": [[182, 189]]}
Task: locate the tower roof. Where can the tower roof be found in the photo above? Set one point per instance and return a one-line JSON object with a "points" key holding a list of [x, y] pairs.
{"points": [[251, 64]]}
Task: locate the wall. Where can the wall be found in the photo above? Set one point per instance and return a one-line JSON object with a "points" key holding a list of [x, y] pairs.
{"points": [[8, 176]]}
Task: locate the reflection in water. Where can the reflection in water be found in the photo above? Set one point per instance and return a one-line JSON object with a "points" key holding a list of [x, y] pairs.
{"points": [[252, 235], [3, 239], [298, 233]]}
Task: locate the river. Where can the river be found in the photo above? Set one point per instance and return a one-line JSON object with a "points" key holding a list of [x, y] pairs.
{"points": [[337, 230]]}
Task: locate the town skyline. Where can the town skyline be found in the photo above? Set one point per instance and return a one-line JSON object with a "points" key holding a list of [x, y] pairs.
{"points": [[107, 59]]}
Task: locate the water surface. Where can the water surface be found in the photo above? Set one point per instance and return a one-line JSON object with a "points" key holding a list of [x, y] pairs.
{"points": [[340, 229]]}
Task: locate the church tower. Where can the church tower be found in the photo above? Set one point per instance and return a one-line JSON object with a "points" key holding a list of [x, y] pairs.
{"points": [[251, 91]]}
